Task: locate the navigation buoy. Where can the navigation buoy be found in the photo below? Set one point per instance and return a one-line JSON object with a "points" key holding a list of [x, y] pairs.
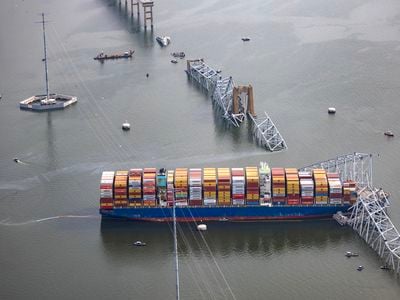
{"points": [[202, 227], [126, 126], [331, 110]]}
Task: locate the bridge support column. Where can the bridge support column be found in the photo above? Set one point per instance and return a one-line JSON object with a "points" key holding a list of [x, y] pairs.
{"points": [[250, 101], [135, 3], [147, 12], [235, 102]]}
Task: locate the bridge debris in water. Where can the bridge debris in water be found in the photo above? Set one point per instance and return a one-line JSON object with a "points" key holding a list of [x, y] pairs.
{"points": [[369, 216], [235, 102], [371, 221]]}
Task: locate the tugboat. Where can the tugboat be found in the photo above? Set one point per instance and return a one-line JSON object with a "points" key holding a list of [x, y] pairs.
{"points": [[163, 40], [178, 54], [389, 133]]}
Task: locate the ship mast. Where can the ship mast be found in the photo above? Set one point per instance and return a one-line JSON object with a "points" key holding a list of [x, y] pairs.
{"points": [[45, 58], [176, 250]]}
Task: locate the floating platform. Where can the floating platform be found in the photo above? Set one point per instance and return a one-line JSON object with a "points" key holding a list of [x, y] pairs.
{"points": [[40, 102]]}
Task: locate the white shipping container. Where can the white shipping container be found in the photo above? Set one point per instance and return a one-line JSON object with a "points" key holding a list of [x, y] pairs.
{"points": [[210, 202], [335, 200], [238, 201]]}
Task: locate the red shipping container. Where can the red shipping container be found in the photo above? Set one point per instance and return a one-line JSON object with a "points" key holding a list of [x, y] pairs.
{"points": [[196, 202], [293, 202], [120, 192], [106, 186]]}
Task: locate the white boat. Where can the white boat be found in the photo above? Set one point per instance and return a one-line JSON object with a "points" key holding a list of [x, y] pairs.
{"points": [[126, 126], [163, 40]]}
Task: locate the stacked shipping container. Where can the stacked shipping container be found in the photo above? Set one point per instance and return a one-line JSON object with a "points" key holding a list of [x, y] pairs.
{"points": [[149, 187], [106, 190], [252, 186], [195, 190], [265, 184], [278, 186], [292, 186], [349, 192], [170, 187], [321, 186], [238, 186], [162, 187], [120, 189], [224, 186], [306, 187], [135, 187], [210, 186], [181, 186], [335, 188]]}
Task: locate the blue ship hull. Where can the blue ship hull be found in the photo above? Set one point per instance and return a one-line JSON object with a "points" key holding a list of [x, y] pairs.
{"points": [[225, 213]]}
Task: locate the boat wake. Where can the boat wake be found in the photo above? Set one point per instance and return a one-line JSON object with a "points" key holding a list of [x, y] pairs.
{"points": [[6, 222]]}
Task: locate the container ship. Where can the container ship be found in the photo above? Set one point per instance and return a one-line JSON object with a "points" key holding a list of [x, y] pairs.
{"points": [[224, 194]]}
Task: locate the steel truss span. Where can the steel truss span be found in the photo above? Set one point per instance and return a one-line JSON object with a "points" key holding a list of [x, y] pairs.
{"points": [[369, 216], [370, 220], [234, 108]]}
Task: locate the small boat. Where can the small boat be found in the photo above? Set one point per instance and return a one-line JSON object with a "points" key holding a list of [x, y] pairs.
{"points": [[0, 96], [389, 133], [360, 268], [245, 39], [351, 254], [385, 267], [219, 71], [126, 126], [101, 56], [178, 54], [331, 110], [16, 160], [202, 227], [163, 40], [174, 61], [139, 244]]}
